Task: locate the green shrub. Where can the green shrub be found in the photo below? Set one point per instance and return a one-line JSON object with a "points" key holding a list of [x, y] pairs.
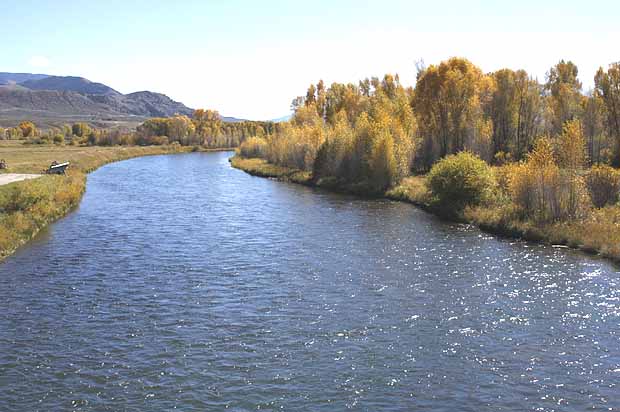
{"points": [[460, 180], [603, 183], [59, 139]]}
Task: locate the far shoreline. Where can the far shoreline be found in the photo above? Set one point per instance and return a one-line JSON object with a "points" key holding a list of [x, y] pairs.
{"points": [[261, 168]]}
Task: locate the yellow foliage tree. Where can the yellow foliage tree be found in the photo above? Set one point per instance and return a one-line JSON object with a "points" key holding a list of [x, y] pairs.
{"points": [[448, 103], [608, 89], [28, 129], [565, 98], [572, 146]]}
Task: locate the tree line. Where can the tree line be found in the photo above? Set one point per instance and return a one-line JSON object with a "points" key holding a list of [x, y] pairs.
{"points": [[376, 132], [204, 128]]}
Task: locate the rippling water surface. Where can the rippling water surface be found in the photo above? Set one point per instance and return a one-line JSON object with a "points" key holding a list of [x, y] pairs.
{"points": [[181, 283]]}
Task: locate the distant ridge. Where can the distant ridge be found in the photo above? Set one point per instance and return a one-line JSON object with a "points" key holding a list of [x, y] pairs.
{"points": [[13, 78], [55, 99], [69, 83]]}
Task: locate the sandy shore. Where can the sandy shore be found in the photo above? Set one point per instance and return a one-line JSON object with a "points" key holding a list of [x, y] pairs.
{"points": [[7, 178]]}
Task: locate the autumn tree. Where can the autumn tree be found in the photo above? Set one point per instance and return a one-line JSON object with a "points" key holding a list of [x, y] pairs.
{"points": [[347, 97], [529, 109], [514, 109], [67, 130], [321, 99], [28, 129], [310, 95], [364, 86], [80, 129], [593, 121], [180, 128], [156, 126], [607, 87], [572, 154], [14, 133], [502, 108], [448, 103], [564, 94], [365, 137], [208, 126]]}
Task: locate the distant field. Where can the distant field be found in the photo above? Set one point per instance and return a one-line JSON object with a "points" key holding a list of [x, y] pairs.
{"points": [[47, 120], [23, 158]]}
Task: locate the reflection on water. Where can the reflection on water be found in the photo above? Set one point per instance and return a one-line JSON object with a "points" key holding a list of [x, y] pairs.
{"points": [[182, 283]]}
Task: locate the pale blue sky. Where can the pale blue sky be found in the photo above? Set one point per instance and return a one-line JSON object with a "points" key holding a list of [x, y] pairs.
{"points": [[249, 59]]}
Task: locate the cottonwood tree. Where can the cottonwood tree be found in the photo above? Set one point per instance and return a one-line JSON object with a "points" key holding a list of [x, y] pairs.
{"points": [[28, 129], [593, 121], [607, 87], [572, 154], [564, 94], [529, 111], [514, 109], [321, 99], [347, 97], [448, 103], [208, 125], [80, 129], [180, 128]]}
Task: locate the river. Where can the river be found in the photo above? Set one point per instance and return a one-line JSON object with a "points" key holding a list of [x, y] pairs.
{"points": [[182, 283]]}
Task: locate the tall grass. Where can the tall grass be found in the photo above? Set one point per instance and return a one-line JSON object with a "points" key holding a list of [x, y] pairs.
{"points": [[28, 206]]}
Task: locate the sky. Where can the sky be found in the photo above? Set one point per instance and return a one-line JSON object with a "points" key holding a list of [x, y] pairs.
{"points": [[249, 59]]}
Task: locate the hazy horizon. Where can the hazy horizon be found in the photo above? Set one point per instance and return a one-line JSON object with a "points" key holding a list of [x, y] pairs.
{"points": [[250, 61]]}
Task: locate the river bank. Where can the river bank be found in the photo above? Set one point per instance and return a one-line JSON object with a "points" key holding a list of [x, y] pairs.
{"points": [[597, 234], [28, 206]]}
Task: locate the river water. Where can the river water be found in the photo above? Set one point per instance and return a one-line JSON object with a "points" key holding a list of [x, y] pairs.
{"points": [[182, 283]]}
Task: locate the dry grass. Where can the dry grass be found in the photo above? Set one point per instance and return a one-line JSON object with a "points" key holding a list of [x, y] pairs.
{"points": [[30, 158], [598, 233], [262, 168], [413, 190]]}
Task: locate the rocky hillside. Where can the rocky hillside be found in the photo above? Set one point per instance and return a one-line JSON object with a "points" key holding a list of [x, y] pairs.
{"points": [[69, 83], [31, 95], [12, 78]]}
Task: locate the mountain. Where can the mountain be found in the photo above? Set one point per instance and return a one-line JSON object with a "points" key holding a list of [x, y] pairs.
{"points": [[53, 100], [69, 83], [11, 78], [144, 103], [17, 98]]}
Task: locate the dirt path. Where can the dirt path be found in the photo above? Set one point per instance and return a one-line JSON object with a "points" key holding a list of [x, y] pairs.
{"points": [[6, 178]]}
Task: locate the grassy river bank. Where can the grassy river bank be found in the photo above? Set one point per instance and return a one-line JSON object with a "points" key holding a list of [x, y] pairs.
{"points": [[28, 206], [598, 234]]}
